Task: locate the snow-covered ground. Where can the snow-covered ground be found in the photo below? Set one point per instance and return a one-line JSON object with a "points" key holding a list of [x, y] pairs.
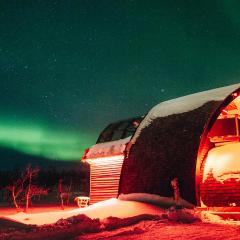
{"points": [[133, 221], [112, 207], [169, 230]]}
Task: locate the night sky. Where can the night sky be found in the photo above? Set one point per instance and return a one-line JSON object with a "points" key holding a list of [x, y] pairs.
{"points": [[69, 68]]}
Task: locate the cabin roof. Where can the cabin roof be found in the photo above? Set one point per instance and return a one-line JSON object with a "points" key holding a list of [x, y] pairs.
{"points": [[106, 149], [184, 104]]}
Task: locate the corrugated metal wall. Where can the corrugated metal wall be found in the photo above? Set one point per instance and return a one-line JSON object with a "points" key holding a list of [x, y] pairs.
{"points": [[104, 178]]}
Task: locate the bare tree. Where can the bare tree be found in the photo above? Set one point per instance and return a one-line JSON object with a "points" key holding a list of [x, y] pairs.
{"points": [[24, 189], [64, 192], [14, 194], [60, 192], [32, 189], [30, 173], [69, 192], [17, 189]]}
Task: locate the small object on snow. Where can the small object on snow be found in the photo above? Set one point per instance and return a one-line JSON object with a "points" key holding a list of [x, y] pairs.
{"points": [[176, 191], [82, 201]]}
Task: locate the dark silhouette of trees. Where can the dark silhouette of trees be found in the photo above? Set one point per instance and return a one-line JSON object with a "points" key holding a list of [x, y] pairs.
{"points": [[14, 184], [23, 188]]}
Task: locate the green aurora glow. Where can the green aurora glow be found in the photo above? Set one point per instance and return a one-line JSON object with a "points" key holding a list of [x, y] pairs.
{"points": [[44, 141]]}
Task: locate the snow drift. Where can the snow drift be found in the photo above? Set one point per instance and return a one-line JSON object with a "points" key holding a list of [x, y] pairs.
{"points": [[164, 202]]}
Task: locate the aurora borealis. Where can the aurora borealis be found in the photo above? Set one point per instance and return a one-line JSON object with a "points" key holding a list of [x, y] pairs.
{"points": [[69, 68], [43, 141]]}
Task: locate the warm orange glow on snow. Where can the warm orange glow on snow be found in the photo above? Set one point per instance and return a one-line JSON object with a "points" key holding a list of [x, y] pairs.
{"points": [[105, 160], [220, 184], [111, 207], [221, 177], [223, 161]]}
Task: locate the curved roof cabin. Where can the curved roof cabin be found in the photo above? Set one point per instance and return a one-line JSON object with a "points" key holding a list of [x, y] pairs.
{"points": [[194, 138]]}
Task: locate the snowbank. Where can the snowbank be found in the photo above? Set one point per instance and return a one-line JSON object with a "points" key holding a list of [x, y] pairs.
{"points": [[160, 201], [10, 223], [150, 205], [224, 162], [112, 207], [128, 220]]}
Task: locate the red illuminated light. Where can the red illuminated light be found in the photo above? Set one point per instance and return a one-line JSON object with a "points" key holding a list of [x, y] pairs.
{"points": [[106, 160], [224, 111], [85, 153], [235, 94]]}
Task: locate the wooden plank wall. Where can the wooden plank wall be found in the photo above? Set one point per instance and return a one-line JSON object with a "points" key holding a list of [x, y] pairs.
{"points": [[104, 178]]}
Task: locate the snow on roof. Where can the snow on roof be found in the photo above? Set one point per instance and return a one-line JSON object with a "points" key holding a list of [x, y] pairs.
{"points": [[184, 104], [108, 148]]}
